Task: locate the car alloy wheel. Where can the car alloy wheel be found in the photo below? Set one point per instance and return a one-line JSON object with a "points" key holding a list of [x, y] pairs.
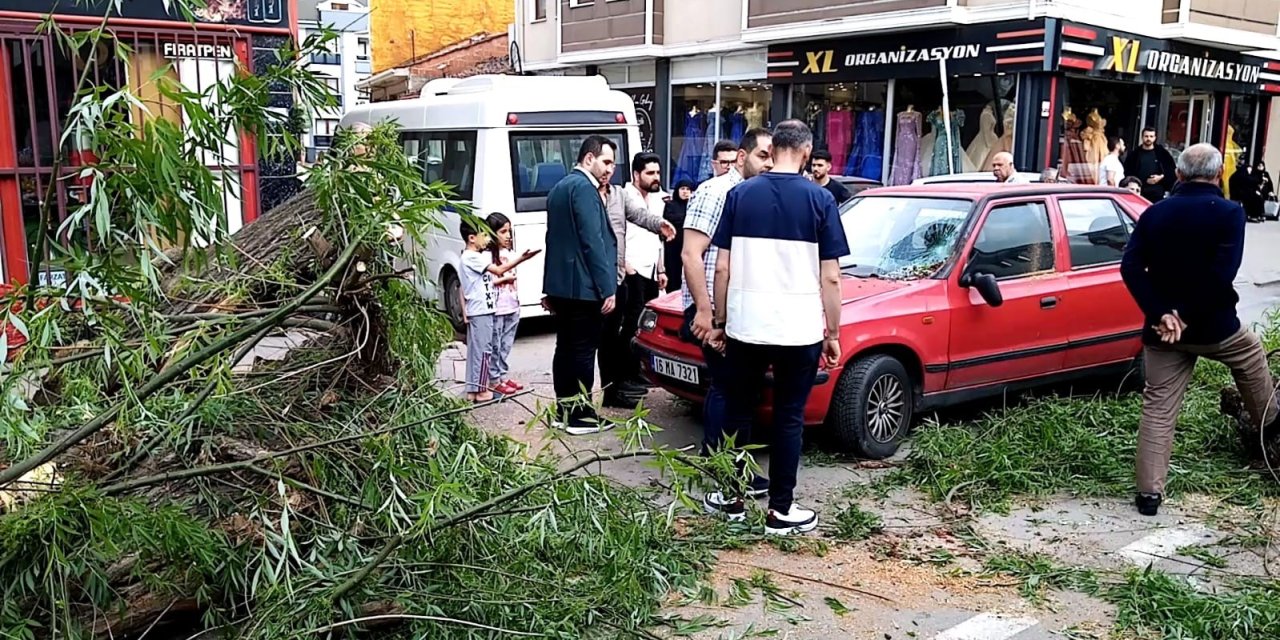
{"points": [[885, 403]]}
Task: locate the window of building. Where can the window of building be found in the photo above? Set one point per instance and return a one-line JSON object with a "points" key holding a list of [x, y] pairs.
{"points": [[539, 10], [362, 49], [574, 4], [1094, 111], [1096, 231], [703, 114], [851, 122], [540, 160], [1015, 240], [446, 156], [1239, 149]]}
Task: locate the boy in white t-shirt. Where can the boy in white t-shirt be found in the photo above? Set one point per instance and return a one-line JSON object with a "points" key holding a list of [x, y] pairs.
{"points": [[1111, 171], [480, 281]]}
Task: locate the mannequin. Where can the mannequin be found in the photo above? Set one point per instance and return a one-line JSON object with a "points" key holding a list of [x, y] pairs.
{"points": [[946, 142], [985, 143], [1075, 168], [866, 160], [840, 123], [755, 116], [1005, 141], [1095, 140], [906, 147]]}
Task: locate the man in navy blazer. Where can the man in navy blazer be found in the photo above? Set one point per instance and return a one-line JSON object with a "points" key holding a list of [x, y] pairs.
{"points": [[580, 281]]}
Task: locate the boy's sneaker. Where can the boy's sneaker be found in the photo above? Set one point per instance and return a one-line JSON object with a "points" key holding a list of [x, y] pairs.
{"points": [[717, 504], [796, 520], [759, 487]]}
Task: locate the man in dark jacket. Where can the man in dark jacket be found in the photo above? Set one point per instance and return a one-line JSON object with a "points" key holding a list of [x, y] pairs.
{"points": [[1179, 266], [1153, 165], [580, 281]]}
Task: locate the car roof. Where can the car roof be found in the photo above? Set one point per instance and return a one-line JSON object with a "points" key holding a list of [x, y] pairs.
{"points": [[981, 190]]}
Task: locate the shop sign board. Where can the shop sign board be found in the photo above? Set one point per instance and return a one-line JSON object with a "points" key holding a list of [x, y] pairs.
{"points": [[1006, 46], [197, 50], [643, 99], [1117, 55], [264, 13]]}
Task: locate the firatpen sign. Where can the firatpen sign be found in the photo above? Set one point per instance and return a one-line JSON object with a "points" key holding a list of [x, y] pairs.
{"points": [[198, 50]]}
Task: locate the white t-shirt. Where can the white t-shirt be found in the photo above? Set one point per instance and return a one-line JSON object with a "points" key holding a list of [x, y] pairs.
{"points": [[1111, 164], [478, 292]]}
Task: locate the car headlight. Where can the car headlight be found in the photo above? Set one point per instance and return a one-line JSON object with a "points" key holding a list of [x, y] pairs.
{"points": [[649, 320]]}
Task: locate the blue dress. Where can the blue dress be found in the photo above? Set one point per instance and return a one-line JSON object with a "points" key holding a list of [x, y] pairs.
{"points": [[692, 158], [737, 126], [866, 160]]}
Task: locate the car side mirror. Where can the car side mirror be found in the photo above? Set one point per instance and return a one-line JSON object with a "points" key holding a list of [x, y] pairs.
{"points": [[986, 284]]}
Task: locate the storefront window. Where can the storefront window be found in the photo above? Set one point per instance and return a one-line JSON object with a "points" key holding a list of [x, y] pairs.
{"points": [[849, 120], [1094, 111], [698, 121]]}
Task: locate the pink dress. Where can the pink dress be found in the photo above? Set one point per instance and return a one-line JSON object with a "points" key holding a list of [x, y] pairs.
{"points": [[839, 138], [906, 149]]}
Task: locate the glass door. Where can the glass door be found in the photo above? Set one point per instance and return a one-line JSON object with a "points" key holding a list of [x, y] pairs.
{"points": [[1190, 115]]}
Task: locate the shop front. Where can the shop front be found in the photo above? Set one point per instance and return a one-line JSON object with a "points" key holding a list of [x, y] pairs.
{"points": [[1115, 84], [38, 85], [943, 103]]}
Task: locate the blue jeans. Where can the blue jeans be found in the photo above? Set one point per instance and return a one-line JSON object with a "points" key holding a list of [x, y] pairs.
{"points": [[713, 407], [794, 371]]}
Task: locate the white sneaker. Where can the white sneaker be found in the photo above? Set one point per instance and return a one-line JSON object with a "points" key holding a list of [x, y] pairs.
{"points": [[584, 428], [717, 504], [796, 520]]}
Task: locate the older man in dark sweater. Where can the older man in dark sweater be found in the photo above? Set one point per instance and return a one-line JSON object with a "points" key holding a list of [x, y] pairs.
{"points": [[1179, 266]]}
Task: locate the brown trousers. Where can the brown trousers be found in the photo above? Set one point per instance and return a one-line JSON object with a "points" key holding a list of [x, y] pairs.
{"points": [[1169, 370]]}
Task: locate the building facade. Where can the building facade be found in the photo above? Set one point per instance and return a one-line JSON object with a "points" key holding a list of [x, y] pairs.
{"points": [[348, 63], [901, 89], [479, 54], [38, 84], [408, 29]]}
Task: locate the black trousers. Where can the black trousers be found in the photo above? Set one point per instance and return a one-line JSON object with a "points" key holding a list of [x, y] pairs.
{"points": [[640, 292], [578, 329], [615, 348]]}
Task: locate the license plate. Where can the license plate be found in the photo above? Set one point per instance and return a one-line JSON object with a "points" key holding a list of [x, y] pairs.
{"points": [[677, 370]]}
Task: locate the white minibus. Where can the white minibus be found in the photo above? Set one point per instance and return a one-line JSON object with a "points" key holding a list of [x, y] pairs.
{"points": [[502, 142]]}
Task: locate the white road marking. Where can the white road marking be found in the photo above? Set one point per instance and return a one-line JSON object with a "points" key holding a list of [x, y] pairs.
{"points": [[988, 626], [1161, 544]]}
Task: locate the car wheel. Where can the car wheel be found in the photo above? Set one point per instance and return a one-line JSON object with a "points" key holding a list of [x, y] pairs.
{"points": [[452, 288], [872, 409]]}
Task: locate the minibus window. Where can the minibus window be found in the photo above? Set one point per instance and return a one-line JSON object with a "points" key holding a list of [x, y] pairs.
{"points": [[540, 159]]}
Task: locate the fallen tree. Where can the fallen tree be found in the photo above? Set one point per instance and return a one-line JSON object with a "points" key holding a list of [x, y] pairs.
{"points": [[151, 480]]}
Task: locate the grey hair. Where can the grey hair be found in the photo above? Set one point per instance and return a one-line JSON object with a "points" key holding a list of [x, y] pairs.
{"points": [[1200, 162], [792, 135]]}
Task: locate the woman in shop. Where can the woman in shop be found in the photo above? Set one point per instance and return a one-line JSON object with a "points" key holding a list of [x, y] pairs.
{"points": [[1266, 188], [1246, 189], [674, 213]]}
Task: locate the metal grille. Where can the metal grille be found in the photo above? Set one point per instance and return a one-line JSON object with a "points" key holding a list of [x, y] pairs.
{"points": [[38, 81]]}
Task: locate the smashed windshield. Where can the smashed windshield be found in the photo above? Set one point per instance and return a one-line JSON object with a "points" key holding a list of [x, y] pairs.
{"points": [[901, 238]]}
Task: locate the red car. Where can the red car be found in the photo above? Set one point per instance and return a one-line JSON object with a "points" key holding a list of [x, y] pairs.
{"points": [[952, 293]]}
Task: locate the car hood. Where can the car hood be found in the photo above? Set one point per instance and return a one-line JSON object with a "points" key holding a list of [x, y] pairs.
{"points": [[851, 290]]}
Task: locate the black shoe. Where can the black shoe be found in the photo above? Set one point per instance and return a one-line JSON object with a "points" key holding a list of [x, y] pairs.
{"points": [[759, 487], [1148, 503], [631, 389], [620, 401]]}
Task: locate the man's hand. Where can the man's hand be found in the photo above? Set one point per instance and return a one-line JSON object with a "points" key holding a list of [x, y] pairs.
{"points": [[717, 340], [609, 304], [702, 325], [1170, 328], [662, 282], [1156, 179], [546, 304], [667, 231], [830, 353]]}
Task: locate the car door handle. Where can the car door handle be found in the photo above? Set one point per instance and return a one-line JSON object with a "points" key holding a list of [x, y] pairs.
{"points": [[1048, 303]]}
